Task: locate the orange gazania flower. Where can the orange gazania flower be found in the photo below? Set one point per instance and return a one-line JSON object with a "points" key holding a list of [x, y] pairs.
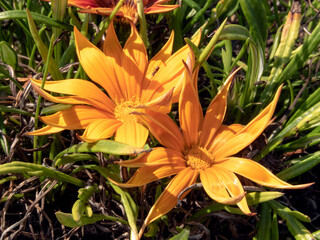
{"points": [[127, 10], [204, 147], [128, 78]]}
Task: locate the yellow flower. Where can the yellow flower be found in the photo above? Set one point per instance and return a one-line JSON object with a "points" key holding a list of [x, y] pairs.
{"points": [[128, 9], [130, 81], [203, 147]]}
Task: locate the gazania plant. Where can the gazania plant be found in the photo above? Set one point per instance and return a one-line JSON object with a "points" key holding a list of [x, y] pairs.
{"points": [[157, 119], [129, 81], [205, 148]]}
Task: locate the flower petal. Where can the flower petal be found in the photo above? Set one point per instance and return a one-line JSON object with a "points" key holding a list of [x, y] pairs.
{"points": [[45, 131], [162, 103], [250, 132], [76, 117], [134, 63], [169, 197], [100, 129], [132, 133], [234, 187], [145, 175], [97, 66], [168, 76], [223, 135], [80, 88], [160, 8], [74, 99], [216, 187], [163, 128], [215, 113], [256, 172], [111, 45], [160, 58], [158, 156], [190, 110]]}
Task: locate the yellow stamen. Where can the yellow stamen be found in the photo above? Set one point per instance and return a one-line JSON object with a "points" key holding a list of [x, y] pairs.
{"points": [[198, 158], [124, 108]]}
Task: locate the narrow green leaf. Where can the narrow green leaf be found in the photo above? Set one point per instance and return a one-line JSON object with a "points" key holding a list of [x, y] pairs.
{"points": [[53, 67], [21, 14], [304, 164], [295, 227], [38, 170], [183, 235], [103, 146], [67, 220], [130, 209], [15, 110], [77, 157], [8, 55], [256, 16], [274, 227], [264, 226]]}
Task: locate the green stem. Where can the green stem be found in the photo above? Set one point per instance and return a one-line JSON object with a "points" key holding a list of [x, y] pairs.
{"points": [[143, 22], [36, 117], [107, 22]]}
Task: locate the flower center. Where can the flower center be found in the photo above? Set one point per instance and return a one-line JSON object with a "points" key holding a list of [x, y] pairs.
{"points": [[124, 108], [198, 158]]}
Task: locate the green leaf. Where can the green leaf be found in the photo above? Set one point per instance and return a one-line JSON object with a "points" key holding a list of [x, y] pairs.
{"points": [[264, 225], [295, 227], [8, 55], [304, 164], [53, 67], [38, 170], [130, 209], [15, 110], [76, 158], [254, 198], [80, 206], [255, 14], [103, 146], [67, 220], [183, 235], [21, 14]]}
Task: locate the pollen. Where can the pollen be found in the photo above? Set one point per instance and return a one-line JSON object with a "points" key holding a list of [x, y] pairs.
{"points": [[198, 158], [124, 108]]}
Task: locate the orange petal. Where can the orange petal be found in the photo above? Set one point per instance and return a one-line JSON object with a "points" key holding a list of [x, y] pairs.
{"points": [[169, 197], [76, 117], [74, 100], [256, 172], [216, 186], [134, 63], [97, 66], [250, 132], [158, 61], [132, 133], [215, 113], [145, 175], [223, 135], [111, 45], [80, 88], [234, 187], [100, 129], [163, 128], [162, 103], [160, 8], [45, 131], [158, 156], [190, 110], [168, 76]]}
